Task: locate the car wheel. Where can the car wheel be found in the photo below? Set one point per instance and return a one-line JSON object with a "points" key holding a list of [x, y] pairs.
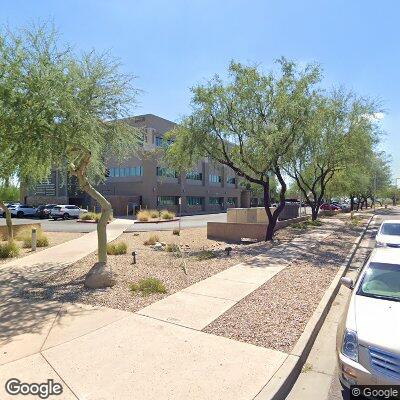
{"points": [[55, 219], [66, 216], [20, 214], [4, 215]]}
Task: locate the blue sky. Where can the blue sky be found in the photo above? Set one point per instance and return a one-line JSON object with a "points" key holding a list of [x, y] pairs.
{"points": [[171, 45]]}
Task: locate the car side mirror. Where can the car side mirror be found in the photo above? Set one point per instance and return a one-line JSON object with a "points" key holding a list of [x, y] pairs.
{"points": [[347, 282]]}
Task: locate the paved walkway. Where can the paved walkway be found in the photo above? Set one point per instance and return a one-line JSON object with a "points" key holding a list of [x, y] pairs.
{"points": [[156, 353]]}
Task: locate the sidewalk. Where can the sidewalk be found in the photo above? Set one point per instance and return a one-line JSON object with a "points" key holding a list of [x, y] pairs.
{"points": [[158, 352]]}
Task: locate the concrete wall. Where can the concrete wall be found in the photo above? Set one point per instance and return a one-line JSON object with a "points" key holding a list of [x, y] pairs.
{"points": [[234, 232]]}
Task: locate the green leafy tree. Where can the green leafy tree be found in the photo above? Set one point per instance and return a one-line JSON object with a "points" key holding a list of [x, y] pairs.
{"points": [[248, 124], [340, 133]]}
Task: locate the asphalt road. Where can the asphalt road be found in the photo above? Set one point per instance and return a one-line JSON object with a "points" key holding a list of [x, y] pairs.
{"points": [[190, 221], [336, 392]]}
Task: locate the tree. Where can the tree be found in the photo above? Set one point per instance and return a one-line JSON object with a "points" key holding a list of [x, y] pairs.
{"points": [[339, 134], [248, 124]]}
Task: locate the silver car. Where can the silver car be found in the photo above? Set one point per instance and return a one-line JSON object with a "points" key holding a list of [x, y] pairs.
{"points": [[368, 341]]}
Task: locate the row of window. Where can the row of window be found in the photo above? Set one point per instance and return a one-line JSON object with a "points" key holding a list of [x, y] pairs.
{"points": [[166, 172], [126, 171], [194, 200], [160, 142]]}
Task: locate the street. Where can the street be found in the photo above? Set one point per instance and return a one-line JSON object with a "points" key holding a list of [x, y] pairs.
{"points": [[319, 379]]}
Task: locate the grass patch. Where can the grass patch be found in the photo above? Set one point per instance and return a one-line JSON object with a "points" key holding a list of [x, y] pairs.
{"points": [[172, 248], [25, 236], [9, 250], [152, 240], [165, 214], [115, 249], [148, 286], [306, 224], [154, 213], [143, 215], [205, 255]]}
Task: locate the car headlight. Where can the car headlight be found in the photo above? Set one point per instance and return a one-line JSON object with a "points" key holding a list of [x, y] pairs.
{"points": [[350, 345], [381, 244]]}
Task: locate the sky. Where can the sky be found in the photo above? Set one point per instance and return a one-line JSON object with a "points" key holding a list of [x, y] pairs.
{"points": [[172, 45]]}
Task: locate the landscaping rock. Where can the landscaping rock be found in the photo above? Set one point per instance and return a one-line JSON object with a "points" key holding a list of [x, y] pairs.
{"points": [[99, 276], [158, 246]]}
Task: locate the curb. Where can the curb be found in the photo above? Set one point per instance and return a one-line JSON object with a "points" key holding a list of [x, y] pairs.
{"points": [[157, 222], [281, 383]]}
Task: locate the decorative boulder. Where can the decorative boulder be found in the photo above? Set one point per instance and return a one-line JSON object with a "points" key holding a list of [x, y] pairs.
{"points": [[99, 276], [158, 246]]}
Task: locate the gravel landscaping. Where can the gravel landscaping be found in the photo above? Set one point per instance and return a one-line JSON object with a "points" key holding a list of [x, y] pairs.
{"points": [[276, 314], [55, 238], [174, 271]]}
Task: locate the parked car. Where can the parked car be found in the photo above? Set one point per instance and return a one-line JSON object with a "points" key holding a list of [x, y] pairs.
{"points": [[342, 206], [43, 211], [66, 212], [368, 344], [329, 207], [21, 210], [388, 234]]}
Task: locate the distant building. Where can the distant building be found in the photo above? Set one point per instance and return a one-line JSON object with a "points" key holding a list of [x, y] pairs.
{"points": [[147, 183]]}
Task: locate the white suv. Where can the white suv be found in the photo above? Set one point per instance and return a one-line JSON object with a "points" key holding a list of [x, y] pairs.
{"points": [[21, 210], [66, 212]]}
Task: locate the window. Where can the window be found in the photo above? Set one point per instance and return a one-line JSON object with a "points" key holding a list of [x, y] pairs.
{"points": [[194, 175], [194, 201], [159, 141], [216, 201], [167, 172], [126, 171], [215, 178], [231, 201], [231, 180], [167, 200]]}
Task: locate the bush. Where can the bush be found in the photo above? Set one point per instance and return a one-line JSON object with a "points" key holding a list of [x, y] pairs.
{"points": [[154, 213], [147, 286], [172, 248], [143, 215], [26, 237], [91, 216], [165, 214], [8, 250], [205, 255], [115, 249], [176, 232], [152, 240], [306, 224]]}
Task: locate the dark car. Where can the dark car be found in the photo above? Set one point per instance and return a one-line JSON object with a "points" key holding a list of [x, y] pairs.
{"points": [[43, 211], [329, 207]]}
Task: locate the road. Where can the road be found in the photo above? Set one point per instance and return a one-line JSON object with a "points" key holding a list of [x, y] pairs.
{"points": [[319, 381], [189, 221]]}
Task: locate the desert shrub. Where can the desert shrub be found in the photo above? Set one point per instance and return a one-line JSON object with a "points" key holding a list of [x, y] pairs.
{"points": [[148, 286], [91, 216], [172, 247], [116, 249], [154, 213], [165, 214], [143, 215], [9, 249], [152, 240], [25, 236], [176, 232], [205, 255]]}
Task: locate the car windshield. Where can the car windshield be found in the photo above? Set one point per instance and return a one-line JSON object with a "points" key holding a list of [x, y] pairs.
{"points": [[390, 229], [381, 280]]}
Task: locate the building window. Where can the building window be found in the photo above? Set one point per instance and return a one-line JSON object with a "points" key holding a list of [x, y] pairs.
{"points": [[126, 171], [194, 201], [166, 172], [231, 180], [167, 200], [194, 175], [160, 142], [231, 201], [216, 201], [215, 178]]}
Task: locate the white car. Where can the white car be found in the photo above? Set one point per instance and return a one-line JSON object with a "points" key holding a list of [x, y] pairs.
{"points": [[66, 212], [368, 341], [21, 210], [389, 234]]}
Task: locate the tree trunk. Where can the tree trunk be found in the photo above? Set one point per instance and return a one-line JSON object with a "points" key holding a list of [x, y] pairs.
{"points": [[10, 235], [351, 203], [314, 211]]}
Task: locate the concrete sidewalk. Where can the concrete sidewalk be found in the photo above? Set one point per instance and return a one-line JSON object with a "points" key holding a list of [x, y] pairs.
{"points": [[158, 352]]}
